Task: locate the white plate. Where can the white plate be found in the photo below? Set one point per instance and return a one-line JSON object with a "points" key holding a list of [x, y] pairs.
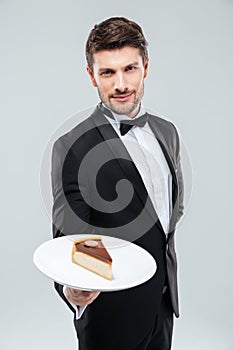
{"points": [[131, 266]]}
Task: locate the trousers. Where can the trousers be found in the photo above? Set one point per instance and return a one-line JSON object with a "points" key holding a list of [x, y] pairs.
{"points": [[158, 337]]}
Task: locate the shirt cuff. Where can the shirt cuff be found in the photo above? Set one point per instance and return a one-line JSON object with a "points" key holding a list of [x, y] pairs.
{"points": [[79, 310]]}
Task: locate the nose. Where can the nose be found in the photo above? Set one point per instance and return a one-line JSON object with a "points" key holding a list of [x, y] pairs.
{"points": [[120, 84]]}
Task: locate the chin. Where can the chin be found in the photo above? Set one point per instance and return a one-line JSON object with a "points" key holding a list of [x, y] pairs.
{"points": [[123, 107]]}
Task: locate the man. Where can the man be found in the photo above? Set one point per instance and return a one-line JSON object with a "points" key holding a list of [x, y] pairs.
{"points": [[147, 155]]}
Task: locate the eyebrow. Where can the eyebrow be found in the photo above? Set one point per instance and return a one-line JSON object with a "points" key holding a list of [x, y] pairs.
{"points": [[128, 65]]}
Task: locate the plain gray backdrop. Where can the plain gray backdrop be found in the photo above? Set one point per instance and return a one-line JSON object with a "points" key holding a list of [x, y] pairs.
{"points": [[43, 82]]}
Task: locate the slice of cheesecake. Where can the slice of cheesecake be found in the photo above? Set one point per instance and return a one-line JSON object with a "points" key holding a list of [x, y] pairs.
{"points": [[91, 254]]}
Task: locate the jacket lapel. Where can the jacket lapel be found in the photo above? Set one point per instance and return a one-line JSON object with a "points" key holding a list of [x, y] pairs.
{"points": [[171, 163], [119, 151]]}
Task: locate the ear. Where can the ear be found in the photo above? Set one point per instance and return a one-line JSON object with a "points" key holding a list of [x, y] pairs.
{"points": [[91, 75], [146, 67]]}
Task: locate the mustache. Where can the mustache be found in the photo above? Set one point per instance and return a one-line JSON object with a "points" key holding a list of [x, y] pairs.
{"points": [[121, 93]]}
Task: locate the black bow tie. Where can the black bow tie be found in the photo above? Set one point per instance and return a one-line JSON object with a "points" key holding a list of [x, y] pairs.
{"points": [[126, 125]]}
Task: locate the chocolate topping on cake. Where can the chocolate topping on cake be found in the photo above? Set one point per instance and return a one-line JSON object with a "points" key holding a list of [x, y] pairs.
{"points": [[98, 251]]}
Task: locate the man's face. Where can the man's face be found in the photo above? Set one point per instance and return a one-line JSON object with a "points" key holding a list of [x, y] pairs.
{"points": [[119, 77]]}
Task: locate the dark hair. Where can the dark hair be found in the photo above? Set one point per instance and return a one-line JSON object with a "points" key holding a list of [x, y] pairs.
{"points": [[115, 33]]}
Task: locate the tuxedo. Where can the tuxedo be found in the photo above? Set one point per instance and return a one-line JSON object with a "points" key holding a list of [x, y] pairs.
{"points": [[77, 208]]}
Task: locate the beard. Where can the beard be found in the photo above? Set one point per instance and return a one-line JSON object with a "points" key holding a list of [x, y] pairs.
{"points": [[125, 108]]}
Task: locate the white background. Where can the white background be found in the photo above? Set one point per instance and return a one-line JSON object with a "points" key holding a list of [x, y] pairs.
{"points": [[43, 82]]}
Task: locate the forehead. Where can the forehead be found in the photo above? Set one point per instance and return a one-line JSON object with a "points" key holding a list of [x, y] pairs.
{"points": [[117, 57]]}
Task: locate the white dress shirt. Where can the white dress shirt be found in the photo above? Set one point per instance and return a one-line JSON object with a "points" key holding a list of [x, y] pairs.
{"points": [[148, 157]]}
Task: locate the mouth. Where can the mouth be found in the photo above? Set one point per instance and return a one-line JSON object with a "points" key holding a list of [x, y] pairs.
{"points": [[122, 98]]}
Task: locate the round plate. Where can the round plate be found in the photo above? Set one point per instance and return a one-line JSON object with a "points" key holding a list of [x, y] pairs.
{"points": [[131, 264]]}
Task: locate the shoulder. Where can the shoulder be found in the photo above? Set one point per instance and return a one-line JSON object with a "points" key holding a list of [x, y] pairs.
{"points": [[164, 125], [66, 140]]}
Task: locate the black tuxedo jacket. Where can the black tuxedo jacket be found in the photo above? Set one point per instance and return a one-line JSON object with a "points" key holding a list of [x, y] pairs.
{"points": [[87, 164]]}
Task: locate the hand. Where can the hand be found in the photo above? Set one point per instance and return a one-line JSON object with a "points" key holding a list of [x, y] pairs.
{"points": [[80, 297]]}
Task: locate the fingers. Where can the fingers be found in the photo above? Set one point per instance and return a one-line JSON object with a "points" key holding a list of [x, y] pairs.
{"points": [[80, 297]]}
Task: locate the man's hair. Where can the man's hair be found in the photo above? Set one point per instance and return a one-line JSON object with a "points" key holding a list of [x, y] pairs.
{"points": [[115, 33]]}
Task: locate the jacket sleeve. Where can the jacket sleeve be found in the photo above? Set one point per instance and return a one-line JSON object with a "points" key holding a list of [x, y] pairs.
{"points": [[179, 174], [181, 187], [67, 199], [71, 214]]}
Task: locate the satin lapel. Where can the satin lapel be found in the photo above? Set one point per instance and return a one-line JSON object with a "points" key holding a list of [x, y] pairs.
{"points": [[119, 151], [163, 144]]}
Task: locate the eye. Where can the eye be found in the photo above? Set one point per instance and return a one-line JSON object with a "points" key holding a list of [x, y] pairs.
{"points": [[130, 68], [107, 72]]}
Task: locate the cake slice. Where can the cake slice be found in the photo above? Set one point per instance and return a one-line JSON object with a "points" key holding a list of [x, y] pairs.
{"points": [[91, 254]]}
